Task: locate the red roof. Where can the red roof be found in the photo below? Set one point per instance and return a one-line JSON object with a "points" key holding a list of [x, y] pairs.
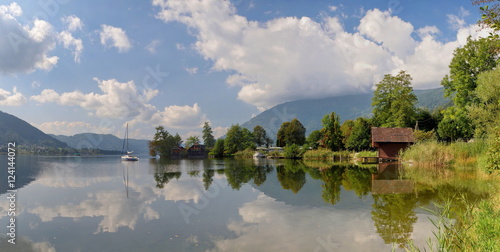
{"points": [[392, 135]]}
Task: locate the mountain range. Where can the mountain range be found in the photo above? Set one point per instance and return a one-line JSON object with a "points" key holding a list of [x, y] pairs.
{"points": [[103, 142], [13, 129], [310, 112]]}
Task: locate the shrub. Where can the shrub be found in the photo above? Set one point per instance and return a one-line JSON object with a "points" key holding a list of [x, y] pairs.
{"points": [[293, 151]]}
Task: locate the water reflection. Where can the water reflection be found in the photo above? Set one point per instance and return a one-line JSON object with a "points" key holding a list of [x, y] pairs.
{"points": [[102, 204]]}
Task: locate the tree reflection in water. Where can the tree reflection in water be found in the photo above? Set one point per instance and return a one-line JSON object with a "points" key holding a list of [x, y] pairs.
{"points": [[164, 172], [291, 175], [394, 217], [392, 211]]}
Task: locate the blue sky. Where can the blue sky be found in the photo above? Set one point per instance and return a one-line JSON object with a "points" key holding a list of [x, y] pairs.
{"points": [[70, 67]]}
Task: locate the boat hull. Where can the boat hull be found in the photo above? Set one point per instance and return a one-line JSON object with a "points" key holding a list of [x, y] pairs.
{"points": [[129, 158]]}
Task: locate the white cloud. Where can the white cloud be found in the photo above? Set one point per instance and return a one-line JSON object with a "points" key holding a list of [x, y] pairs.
{"points": [[71, 43], [24, 48], [13, 9], [73, 23], [427, 30], [333, 7], [391, 32], [463, 12], [192, 70], [126, 101], [151, 47], [115, 37], [13, 98], [71, 128], [180, 117], [455, 22], [180, 46], [292, 58], [118, 100], [219, 131]]}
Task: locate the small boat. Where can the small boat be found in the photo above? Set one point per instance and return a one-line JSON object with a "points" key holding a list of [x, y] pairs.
{"points": [[128, 156], [258, 155]]}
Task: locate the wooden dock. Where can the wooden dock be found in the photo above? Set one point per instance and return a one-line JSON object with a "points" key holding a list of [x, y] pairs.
{"points": [[376, 160]]}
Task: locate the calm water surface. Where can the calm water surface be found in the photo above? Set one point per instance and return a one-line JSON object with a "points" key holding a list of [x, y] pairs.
{"points": [[104, 204]]}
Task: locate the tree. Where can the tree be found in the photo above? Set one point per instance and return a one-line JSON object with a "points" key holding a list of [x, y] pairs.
{"points": [[468, 62], [281, 136], [455, 125], [394, 101], [218, 149], [490, 14], [260, 136], [332, 135], [360, 139], [192, 140], [237, 139], [292, 132], [162, 143], [314, 138], [485, 114], [346, 130], [208, 138]]}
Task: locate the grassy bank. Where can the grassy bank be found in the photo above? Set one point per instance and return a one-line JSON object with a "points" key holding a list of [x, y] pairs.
{"points": [[435, 154], [327, 155]]}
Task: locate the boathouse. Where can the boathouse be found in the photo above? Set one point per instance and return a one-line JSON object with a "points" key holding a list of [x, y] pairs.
{"points": [[390, 141], [197, 151], [178, 152]]}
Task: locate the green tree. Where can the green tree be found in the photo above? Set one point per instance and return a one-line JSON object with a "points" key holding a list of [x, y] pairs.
{"points": [[218, 149], [490, 14], [485, 114], [394, 101], [314, 138], [260, 136], [346, 129], [247, 139], [360, 139], [455, 125], [192, 140], [332, 135], [238, 139], [208, 138], [468, 62], [162, 143], [292, 132]]}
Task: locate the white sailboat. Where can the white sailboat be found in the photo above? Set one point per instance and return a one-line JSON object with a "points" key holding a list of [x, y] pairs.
{"points": [[128, 156]]}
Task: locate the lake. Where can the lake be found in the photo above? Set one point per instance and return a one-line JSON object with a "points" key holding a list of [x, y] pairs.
{"points": [[105, 204]]}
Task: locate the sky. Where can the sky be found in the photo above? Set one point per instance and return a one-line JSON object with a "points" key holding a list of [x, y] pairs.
{"points": [[70, 67]]}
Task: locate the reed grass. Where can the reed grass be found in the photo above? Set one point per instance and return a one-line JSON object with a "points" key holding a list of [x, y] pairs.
{"points": [[475, 229], [318, 154], [436, 154], [247, 153]]}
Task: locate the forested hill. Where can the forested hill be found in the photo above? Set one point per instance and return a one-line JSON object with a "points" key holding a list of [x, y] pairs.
{"points": [[102, 142], [13, 129], [310, 112]]}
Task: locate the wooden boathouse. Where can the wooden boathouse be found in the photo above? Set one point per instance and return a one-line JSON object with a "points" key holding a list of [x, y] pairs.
{"points": [[390, 141]]}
